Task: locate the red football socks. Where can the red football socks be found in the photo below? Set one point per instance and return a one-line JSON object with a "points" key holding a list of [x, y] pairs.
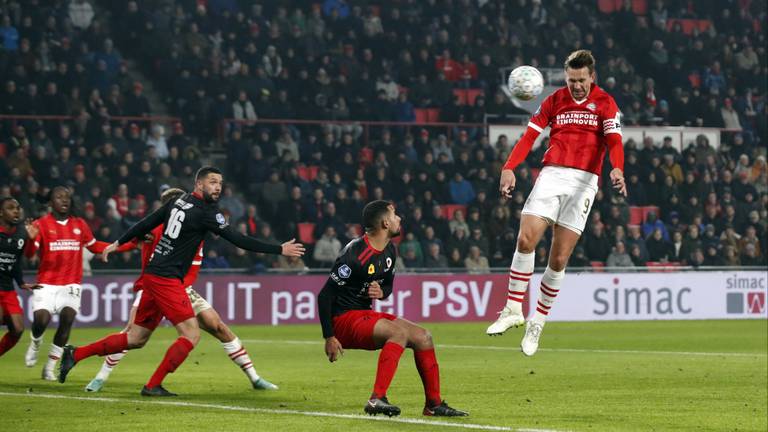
{"points": [[388, 359], [111, 344], [174, 357], [8, 341], [426, 363]]}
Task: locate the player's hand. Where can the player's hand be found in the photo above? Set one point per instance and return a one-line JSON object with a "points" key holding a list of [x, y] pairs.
{"points": [[375, 291], [333, 349], [32, 229], [30, 287], [617, 179], [149, 237], [111, 248], [507, 183], [293, 249]]}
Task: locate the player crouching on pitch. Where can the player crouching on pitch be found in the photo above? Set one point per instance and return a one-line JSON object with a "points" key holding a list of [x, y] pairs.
{"points": [[364, 271]]}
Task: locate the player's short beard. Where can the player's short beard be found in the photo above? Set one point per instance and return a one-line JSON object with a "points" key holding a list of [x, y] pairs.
{"points": [[209, 197], [394, 234]]}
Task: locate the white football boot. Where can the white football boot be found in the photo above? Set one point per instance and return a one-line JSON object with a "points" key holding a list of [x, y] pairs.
{"points": [[530, 342], [30, 358], [507, 318]]}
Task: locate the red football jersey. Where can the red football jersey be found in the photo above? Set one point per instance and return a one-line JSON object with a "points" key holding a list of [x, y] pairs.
{"points": [[148, 248], [61, 246], [577, 129]]}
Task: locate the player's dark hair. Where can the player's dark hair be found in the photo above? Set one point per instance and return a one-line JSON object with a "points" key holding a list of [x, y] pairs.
{"points": [[4, 199], [204, 171], [170, 194], [580, 59], [373, 212], [57, 188]]}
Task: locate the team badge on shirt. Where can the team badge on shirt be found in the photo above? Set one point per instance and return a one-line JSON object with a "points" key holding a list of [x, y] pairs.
{"points": [[345, 271], [76, 231], [371, 269], [591, 106]]}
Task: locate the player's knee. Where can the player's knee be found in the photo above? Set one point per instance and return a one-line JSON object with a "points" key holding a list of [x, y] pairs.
{"points": [[525, 242], [16, 332], [422, 339], [557, 262], [399, 335]]}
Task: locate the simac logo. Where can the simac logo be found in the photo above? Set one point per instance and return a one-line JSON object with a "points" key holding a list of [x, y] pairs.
{"points": [[756, 302], [741, 303]]}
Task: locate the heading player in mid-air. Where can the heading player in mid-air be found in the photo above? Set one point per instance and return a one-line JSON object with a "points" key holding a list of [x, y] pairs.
{"points": [[207, 317], [60, 239], [584, 122], [13, 238], [187, 220], [364, 271]]}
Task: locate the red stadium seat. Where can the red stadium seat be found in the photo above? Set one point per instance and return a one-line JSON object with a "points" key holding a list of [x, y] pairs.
{"points": [[695, 80], [3, 150], [462, 95], [608, 6], [433, 115], [648, 209], [308, 173], [598, 266], [660, 267], [422, 115], [449, 209], [472, 94], [635, 215], [306, 233]]}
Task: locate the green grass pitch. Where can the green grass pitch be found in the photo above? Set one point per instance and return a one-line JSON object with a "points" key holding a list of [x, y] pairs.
{"points": [[610, 376]]}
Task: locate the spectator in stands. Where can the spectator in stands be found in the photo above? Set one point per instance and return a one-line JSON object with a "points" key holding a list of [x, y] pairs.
{"points": [[619, 257], [596, 244], [652, 223], [213, 260], [435, 259], [327, 248], [476, 262], [461, 190], [658, 248], [157, 140], [136, 104]]}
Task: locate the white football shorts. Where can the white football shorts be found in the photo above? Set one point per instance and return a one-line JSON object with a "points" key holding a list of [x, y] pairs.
{"points": [[563, 196], [54, 298]]}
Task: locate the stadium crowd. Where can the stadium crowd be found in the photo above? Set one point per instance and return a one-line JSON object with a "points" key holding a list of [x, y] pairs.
{"points": [[353, 61]]}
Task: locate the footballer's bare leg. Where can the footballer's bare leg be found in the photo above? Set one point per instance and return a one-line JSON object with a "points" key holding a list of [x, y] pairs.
{"points": [[111, 360], [210, 321], [66, 320], [41, 319], [564, 241], [532, 228], [15, 324]]}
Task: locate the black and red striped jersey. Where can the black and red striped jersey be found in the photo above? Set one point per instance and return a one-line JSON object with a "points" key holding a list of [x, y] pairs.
{"points": [[12, 243], [357, 266]]}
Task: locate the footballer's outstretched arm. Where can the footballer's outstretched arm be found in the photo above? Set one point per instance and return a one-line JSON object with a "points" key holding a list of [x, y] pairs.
{"points": [[325, 307], [146, 225], [251, 244]]}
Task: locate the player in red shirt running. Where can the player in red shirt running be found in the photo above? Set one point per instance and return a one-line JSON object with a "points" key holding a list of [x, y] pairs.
{"points": [[207, 317], [60, 241], [584, 122]]}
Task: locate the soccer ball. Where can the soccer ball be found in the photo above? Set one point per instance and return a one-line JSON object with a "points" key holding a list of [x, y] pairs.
{"points": [[525, 82]]}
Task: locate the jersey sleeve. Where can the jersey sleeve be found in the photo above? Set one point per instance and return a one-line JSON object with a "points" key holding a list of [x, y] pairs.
{"points": [[611, 118], [86, 235], [341, 274], [541, 117]]}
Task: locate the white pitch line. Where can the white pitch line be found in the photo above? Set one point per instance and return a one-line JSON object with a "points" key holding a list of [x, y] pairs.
{"points": [[278, 411], [507, 348]]}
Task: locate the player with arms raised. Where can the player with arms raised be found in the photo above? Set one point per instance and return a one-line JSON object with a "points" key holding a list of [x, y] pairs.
{"points": [[364, 271], [60, 240], [187, 220], [584, 122], [207, 317], [13, 238]]}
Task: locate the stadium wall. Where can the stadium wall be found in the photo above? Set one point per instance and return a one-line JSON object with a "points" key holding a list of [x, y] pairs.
{"points": [[291, 299]]}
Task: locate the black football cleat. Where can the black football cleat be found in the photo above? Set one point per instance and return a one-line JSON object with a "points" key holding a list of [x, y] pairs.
{"points": [[443, 410], [156, 391], [381, 406], [67, 362]]}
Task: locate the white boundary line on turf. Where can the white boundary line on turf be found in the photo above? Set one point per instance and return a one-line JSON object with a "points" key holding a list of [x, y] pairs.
{"points": [[507, 348], [277, 411]]}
